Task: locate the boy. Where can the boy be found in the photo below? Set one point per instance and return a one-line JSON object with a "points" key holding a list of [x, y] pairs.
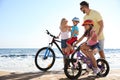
{"points": [[74, 34]]}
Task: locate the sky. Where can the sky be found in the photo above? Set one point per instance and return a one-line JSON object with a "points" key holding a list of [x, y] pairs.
{"points": [[23, 22]]}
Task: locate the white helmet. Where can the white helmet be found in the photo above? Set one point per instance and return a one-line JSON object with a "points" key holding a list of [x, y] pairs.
{"points": [[76, 19]]}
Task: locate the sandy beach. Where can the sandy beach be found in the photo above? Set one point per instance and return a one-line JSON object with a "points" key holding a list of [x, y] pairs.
{"points": [[114, 74]]}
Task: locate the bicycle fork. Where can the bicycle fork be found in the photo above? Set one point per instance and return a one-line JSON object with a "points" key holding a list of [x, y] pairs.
{"points": [[47, 52], [77, 60]]}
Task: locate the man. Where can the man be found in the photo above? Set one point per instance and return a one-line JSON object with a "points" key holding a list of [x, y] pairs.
{"points": [[98, 24]]}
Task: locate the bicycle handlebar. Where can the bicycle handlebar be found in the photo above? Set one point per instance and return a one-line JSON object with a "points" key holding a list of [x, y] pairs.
{"points": [[50, 34]]}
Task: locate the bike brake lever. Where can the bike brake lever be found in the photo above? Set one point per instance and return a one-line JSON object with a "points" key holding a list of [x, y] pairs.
{"points": [[48, 32]]}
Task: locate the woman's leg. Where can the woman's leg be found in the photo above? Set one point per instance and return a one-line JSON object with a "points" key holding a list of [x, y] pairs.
{"points": [[67, 51]]}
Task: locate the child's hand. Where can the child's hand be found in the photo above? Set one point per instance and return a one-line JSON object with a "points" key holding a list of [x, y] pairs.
{"points": [[74, 44]]}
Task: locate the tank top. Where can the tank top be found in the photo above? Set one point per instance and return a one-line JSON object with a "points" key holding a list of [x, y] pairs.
{"points": [[93, 39], [65, 35]]}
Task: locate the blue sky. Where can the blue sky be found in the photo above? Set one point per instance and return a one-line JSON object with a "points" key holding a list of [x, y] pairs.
{"points": [[23, 22]]}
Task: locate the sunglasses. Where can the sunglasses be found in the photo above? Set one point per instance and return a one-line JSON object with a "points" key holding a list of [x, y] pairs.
{"points": [[81, 8]]}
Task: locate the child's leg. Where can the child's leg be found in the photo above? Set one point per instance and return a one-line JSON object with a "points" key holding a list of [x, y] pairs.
{"points": [[93, 59], [96, 70], [69, 46], [70, 42], [85, 49], [95, 51]]}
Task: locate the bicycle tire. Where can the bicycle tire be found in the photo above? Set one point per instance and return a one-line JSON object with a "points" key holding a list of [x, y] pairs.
{"points": [[67, 69], [72, 56], [104, 66], [40, 61]]}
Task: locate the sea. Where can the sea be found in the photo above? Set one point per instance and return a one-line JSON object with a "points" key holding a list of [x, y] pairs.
{"points": [[23, 59]]}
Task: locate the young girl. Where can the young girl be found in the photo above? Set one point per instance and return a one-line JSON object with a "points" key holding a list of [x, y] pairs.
{"points": [[91, 46]]}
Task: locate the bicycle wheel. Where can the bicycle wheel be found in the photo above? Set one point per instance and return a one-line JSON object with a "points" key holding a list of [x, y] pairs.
{"points": [[44, 58], [71, 71], [104, 67]]}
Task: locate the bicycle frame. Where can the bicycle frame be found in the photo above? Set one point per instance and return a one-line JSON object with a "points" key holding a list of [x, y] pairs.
{"points": [[54, 41], [82, 57]]}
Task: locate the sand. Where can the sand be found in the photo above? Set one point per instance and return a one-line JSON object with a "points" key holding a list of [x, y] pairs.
{"points": [[114, 74]]}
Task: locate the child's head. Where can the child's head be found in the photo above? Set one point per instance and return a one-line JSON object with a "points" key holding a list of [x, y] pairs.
{"points": [[75, 21], [63, 22], [88, 24]]}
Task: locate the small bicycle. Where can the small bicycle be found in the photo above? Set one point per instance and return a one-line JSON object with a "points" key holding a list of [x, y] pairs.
{"points": [[45, 57], [73, 67]]}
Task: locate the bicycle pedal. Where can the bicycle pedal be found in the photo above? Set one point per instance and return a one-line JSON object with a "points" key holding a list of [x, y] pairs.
{"points": [[99, 75]]}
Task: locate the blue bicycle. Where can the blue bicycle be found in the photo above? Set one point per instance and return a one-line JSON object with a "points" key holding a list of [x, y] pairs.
{"points": [[45, 57]]}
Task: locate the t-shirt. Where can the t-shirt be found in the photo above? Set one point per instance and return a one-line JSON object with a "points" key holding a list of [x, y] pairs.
{"points": [[95, 16], [74, 28], [93, 38]]}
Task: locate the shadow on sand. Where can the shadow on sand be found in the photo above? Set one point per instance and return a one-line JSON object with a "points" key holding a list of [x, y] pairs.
{"points": [[32, 75], [27, 76], [85, 78]]}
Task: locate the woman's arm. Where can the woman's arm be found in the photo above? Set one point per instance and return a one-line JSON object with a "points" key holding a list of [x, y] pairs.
{"points": [[59, 35]]}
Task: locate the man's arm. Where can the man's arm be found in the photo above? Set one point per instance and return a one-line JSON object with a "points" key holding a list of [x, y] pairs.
{"points": [[101, 27]]}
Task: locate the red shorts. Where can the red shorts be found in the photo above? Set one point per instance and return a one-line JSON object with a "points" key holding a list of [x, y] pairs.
{"points": [[71, 40]]}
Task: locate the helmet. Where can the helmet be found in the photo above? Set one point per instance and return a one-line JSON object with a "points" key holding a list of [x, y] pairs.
{"points": [[89, 22], [76, 19]]}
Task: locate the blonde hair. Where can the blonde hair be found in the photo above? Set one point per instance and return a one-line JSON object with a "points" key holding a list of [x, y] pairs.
{"points": [[63, 23]]}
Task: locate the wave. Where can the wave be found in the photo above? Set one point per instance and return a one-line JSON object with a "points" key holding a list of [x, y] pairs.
{"points": [[10, 59], [27, 52]]}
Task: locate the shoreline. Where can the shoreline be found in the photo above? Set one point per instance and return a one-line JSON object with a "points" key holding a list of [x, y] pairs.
{"points": [[53, 75]]}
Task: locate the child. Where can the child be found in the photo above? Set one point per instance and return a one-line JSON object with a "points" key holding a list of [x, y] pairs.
{"points": [[91, 46], [74, 34]]}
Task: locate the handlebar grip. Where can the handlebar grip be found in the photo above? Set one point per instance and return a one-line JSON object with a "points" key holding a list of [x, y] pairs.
{"points": [[50, 34]]}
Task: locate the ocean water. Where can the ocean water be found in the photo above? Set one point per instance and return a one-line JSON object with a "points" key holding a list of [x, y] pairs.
{"points": [[22, 59]]}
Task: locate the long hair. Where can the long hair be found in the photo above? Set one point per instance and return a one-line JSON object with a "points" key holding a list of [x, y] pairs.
{"points": [[63, 23], [87, 32]]}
